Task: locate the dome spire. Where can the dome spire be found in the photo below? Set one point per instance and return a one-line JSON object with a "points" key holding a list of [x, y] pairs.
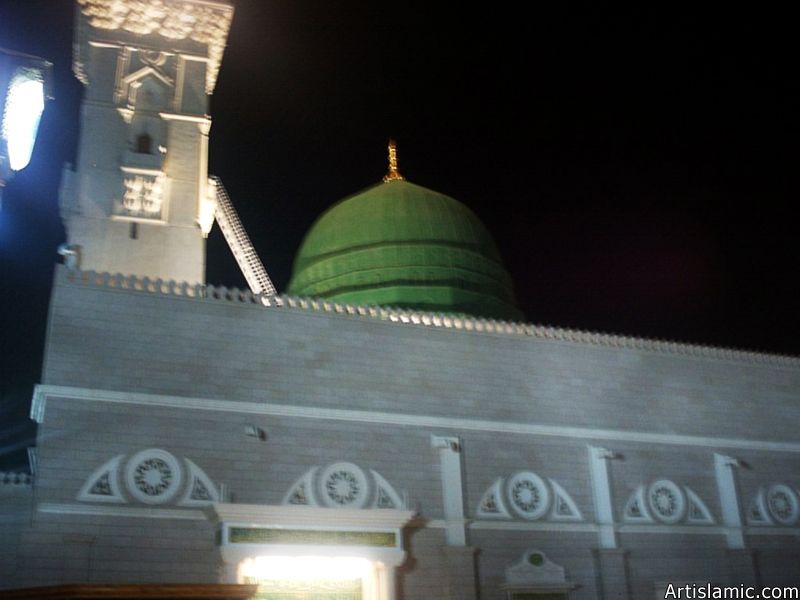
{"points": [[393, 174]]}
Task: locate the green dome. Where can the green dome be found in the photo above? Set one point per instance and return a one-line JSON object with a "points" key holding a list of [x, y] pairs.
{"points": [[399, 244]]}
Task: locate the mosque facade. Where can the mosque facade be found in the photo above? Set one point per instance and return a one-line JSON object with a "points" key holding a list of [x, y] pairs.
{"points": [[390, 429]]}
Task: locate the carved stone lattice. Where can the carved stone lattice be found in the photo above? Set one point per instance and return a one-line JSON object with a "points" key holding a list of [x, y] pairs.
{"points": [[298, 495], [528, 494], [344, 485], [102, 486], [200, 491], [143, 195], [489, 504], [153, 476], [667, 501], [384, 500]]}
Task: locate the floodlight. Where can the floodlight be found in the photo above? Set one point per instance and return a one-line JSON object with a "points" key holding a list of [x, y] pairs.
{"points": [[24, 87], [23, 109]]}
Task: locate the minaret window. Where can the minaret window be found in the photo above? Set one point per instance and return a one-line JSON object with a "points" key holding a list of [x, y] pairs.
{"points": [[143, 143]]}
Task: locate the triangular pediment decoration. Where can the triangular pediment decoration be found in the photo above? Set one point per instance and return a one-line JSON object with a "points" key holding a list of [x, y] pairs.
{"points": [[492, 505], [301, 491], [698, 513], [564, 507], [636, 508], [757, 513], [200, 491], [385, 494], [103, 484]]}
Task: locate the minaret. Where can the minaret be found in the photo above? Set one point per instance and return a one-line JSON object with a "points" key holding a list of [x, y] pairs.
{"points": [[139, 202]]}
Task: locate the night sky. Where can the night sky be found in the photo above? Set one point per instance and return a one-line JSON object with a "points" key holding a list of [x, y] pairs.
{"points": [[637, 168]]}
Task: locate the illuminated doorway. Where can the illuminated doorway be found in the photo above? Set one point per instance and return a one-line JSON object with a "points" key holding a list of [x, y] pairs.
{"points": [[311, 577], [311, 553]]}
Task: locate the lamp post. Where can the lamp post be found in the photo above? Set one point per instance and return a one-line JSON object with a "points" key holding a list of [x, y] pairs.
{"points": [[24, 88]]}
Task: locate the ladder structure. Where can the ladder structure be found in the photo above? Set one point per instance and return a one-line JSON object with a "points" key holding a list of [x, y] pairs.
{"points": [[240, 244]]}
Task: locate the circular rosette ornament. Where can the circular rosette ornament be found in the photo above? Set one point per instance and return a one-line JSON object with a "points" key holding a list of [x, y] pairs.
{"points": [[343, 485], [782, 504], [528, 495], [666, 501], [153, 476]]}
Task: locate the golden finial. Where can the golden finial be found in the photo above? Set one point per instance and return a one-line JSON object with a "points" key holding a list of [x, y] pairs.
{"points": [[393, 174]]}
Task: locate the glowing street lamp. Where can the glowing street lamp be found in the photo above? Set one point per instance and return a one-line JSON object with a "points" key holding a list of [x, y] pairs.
{"points": [[24, 87]]}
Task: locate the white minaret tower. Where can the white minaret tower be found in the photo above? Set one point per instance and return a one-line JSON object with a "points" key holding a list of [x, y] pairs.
{"points": [[139, 202]]}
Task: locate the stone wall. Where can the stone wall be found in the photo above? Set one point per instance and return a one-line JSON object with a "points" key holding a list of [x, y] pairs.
{"points": [[132, 365], [16, 501]]}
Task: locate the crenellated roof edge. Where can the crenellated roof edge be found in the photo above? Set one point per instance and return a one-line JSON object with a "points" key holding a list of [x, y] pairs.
{"points": [[401, 316]]}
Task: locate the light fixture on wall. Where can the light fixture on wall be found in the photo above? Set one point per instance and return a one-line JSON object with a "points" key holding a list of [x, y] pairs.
{"points": [[255, 431]]}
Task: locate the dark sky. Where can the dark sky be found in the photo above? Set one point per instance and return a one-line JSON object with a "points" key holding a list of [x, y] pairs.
{"points": [[636, 167]]}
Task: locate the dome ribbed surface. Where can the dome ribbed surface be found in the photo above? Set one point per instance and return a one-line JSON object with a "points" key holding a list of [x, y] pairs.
{"points": [[400, 244]]}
